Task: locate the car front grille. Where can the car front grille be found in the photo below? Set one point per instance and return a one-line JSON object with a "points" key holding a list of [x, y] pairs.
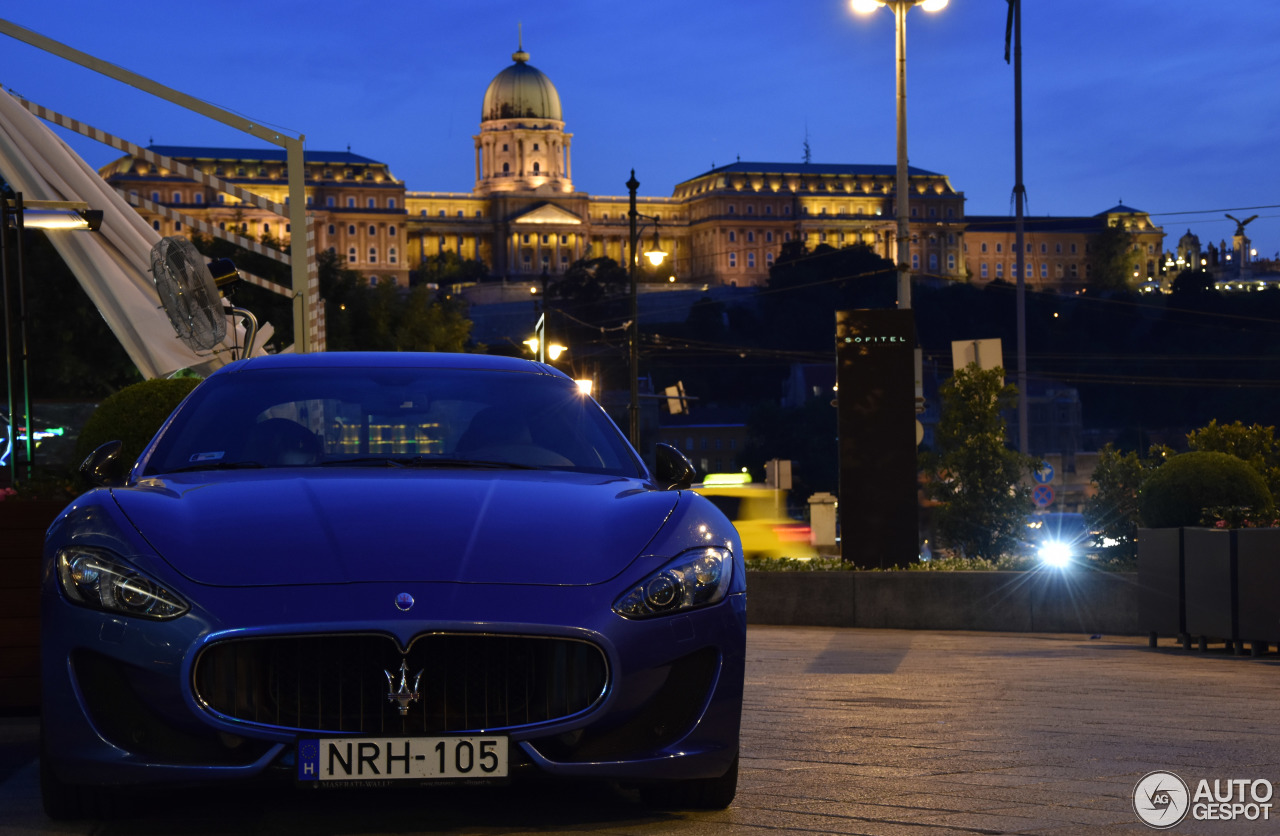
{"points": [[344, 683]]}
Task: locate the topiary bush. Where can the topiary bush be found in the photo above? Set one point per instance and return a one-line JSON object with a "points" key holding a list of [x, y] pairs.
{"points": [[1180, 490], [133, 415]]}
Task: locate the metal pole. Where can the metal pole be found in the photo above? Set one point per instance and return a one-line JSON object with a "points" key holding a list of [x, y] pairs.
{"points": [[1020, 198], [22, 337], [8, 343], [634, 330], [903, 202]]}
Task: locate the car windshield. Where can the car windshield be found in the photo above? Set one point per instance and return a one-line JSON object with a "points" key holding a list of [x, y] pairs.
{"points": [[390, 417]]}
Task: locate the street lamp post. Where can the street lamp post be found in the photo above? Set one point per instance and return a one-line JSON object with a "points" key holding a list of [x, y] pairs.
{"points": [[901, 210], [655, 256], [21, 216]]}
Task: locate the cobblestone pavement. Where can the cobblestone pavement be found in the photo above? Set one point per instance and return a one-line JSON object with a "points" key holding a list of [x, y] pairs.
{"points": [[891, 733]]}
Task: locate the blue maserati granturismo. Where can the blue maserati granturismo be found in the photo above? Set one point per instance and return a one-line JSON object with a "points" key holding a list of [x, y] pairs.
{"points": [[355, 570]]}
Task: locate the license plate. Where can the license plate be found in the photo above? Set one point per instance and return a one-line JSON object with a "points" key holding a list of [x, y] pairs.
{"points": [[402, 758]]}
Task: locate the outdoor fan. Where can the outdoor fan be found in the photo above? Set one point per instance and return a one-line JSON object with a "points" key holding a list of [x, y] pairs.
{"points": [[190, 292]]}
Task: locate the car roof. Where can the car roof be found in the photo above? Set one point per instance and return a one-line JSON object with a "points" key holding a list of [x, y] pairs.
{"points": [[390, 360]]}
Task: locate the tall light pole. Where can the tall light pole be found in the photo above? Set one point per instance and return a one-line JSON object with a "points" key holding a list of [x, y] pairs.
{"points": [[902, 208], [655, 256], [21, 216]]}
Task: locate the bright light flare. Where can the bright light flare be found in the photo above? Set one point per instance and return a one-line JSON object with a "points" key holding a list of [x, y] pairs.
{"points": [[1056, 553]]}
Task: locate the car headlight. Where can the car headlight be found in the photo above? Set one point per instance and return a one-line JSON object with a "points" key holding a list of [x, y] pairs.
{"points": [[92, 578], [1056, 553], [695, 579]]}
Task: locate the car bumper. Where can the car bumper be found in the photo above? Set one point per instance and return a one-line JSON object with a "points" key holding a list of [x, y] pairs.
{"points": [[120, 707]]}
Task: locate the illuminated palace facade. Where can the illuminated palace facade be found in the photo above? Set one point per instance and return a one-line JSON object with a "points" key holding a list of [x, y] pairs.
{"points": [[524, 219]]}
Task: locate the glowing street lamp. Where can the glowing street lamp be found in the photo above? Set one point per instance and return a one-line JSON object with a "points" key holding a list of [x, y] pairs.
{"points": [[539, 346], [900, 8]]}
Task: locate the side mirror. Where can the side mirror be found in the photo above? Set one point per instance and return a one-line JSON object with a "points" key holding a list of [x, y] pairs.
{"points": [[104, 468], [673, 468]]}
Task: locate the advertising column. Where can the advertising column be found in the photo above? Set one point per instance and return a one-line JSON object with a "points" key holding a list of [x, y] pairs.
{"points": [[879, 514]]}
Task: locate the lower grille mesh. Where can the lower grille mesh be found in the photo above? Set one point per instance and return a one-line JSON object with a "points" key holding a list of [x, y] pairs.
{"points": [[339, 683]]}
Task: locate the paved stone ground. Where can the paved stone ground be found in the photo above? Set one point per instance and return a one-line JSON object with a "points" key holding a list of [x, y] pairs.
{"points": [[879, 732]]}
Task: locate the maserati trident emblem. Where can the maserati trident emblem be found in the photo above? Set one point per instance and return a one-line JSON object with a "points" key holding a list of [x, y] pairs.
{"points": [[404, 602], [403, 695]]}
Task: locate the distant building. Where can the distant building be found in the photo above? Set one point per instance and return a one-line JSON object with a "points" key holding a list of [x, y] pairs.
{"points": [[525, 219], [358, 204], [1056, 249], [711, 437]]}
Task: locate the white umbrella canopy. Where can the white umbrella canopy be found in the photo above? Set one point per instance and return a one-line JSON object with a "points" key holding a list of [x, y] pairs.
{"points": [[113, 265]]}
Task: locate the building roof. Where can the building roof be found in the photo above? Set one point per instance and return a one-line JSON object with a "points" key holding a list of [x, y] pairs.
{"points": [[868, 169], [1121, 209], [263, 155]]}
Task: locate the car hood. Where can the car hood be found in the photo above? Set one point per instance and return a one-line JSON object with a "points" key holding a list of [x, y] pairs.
{"points": [[319, 527]]}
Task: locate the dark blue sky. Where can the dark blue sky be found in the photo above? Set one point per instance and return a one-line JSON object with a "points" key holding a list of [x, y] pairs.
{"points": [[1170, 106]]}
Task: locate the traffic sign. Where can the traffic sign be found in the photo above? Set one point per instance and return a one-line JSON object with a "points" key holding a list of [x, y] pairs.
{"points": [[1043, 495], [1044, 473]]}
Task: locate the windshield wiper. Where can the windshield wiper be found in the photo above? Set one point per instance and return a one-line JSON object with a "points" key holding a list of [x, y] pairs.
{"points": [[365, 461], [218, 466], [440, 461]]}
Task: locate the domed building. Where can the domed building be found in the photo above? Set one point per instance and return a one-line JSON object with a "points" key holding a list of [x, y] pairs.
{"points": [[522, 145], [524, 219], [724, 227]]}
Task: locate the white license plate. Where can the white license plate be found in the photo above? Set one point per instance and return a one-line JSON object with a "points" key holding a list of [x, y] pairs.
{"points": [[401, 758]]}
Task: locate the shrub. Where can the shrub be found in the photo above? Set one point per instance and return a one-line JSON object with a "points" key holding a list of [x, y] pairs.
{"points": [[1181, 489], [133, 415]]}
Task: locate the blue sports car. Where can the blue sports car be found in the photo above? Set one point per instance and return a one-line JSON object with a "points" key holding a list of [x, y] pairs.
{"points": [[384, 569]]}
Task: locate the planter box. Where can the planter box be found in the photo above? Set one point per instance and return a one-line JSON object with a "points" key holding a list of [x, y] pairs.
{"points": [[22, 527], [1257, 580], [1037, 601], [1209, 572], [1162, 602]]}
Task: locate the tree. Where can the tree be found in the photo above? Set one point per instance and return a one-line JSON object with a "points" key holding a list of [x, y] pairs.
{"points": [[1192, 283], [975, 475], [1199, 487], [807, 288], [1112, 259], [1112, 512], [448, 268], [1254, 444]]}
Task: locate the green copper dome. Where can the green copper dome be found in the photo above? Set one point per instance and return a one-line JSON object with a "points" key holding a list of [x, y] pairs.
{"points": [[521, 92]]}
